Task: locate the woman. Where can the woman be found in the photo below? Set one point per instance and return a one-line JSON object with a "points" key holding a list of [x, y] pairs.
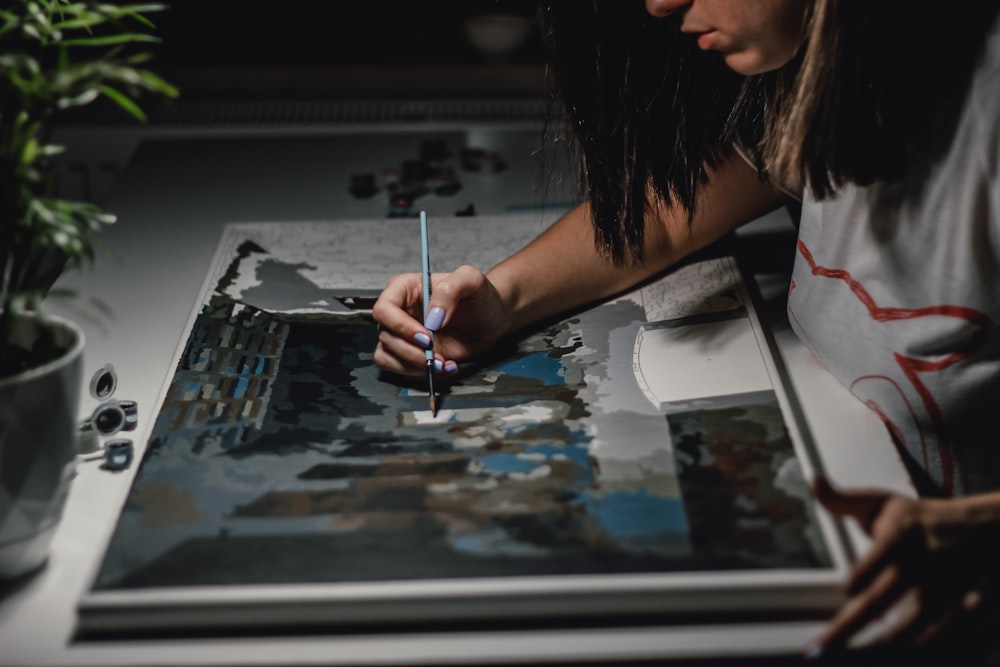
{"points": [[696, 116]]}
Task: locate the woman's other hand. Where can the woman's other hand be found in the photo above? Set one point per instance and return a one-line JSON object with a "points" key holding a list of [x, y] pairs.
{"points": [[932, 561]]}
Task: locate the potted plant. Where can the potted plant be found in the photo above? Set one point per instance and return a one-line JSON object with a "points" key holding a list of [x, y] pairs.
{"points": [[54, 55]]}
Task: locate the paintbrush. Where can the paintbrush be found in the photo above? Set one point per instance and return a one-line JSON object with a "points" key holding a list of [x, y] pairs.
{"points": [[426, 270]]}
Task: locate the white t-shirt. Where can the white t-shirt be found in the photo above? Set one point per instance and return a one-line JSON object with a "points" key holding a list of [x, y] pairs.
{"points": [[899, 296]]}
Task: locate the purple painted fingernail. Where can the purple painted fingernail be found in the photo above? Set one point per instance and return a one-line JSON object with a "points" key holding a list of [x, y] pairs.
{"points": [[435, 316], [423, 339], [438, 365], [450, 367]]}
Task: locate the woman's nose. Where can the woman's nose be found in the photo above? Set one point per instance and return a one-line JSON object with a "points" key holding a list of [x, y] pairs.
{"points": [[661, 8]]}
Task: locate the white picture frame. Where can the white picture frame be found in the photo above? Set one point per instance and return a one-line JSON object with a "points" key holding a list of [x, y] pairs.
{"points": [[703, 324]]}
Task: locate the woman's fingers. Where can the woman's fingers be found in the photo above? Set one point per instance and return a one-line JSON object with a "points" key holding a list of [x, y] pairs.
{"points": [[863, 506], [863, 608], [933, 618], [879, 579], [402, 337], [867, 508], [399, 356], [891, 523], [399, 304], [448, 290]]}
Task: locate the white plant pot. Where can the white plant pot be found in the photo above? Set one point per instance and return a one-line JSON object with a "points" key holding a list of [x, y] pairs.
{"points": [[38, 431]]}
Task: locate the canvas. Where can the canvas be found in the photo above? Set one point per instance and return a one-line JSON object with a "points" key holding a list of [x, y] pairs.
{"points": [[638, 456]]}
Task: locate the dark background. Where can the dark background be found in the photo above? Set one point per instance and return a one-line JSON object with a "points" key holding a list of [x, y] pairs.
{"points": [[288, 67], [335, 50]]}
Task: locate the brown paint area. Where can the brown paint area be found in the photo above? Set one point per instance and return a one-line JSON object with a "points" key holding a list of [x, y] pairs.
{"points": [[164, 505]]}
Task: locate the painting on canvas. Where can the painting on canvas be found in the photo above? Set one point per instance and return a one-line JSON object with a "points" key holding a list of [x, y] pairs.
{"points": [[609, 444]]}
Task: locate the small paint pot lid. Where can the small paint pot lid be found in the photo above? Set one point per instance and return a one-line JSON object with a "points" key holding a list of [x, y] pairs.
{"points": [[104, 383]]}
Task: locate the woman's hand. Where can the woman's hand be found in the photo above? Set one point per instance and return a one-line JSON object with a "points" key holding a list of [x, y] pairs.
{"points": [[934, 561], [466, 313]]}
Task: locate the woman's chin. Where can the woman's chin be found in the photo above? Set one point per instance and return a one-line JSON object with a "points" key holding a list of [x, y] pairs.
{"points": [[747, 63], [751, 61]]}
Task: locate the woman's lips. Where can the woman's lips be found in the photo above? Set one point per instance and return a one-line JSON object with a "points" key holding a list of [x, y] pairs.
{"points": [[706, 40]]}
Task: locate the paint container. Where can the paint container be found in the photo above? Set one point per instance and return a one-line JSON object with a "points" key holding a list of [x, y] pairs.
{"points": [[131, 410], [118, 454], [108, 418], [104, 383]]}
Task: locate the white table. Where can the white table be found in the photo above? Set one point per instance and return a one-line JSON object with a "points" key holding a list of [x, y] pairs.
{"points": [[172, 201]]}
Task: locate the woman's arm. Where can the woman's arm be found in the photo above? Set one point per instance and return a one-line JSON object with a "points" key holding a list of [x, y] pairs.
{"points": [[562, 269], [559, 271]]}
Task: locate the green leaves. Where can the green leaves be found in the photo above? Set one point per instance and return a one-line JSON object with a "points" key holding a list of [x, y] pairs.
{"points": [[109, 40], [68, 226], [55, 55], [79, 23], [123, 101]]}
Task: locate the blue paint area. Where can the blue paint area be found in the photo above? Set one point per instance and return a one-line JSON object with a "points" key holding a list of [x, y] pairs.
{"points": [[629, 515], [519, 429], [537, 365], [576, 454], [468, 543], [260, 365], [508, 463], [496, 542], [241, 387]]}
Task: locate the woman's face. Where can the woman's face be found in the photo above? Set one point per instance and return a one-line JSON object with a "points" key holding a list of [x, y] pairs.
{"points": [[753, 36]]}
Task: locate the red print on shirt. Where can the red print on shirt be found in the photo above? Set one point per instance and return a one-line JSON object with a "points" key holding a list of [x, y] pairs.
{"points": [[911, 367]]}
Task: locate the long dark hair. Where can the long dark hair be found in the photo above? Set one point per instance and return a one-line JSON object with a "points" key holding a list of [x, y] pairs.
{"points": [[875, 90], [878, 91]]}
